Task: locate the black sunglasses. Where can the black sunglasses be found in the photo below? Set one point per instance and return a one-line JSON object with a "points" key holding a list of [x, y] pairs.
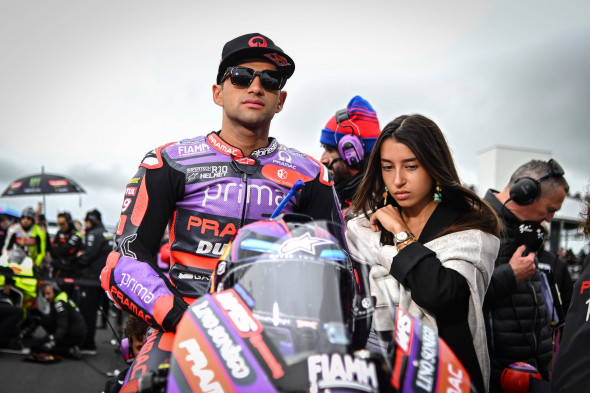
{"points": [[243, 77]]}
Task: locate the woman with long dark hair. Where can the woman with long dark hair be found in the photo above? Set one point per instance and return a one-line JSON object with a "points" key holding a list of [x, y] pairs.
{"points": [[434, 240]]}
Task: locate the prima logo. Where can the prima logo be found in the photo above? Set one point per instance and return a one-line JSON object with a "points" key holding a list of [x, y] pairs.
{"points": [[231, 191], [144, 294]]}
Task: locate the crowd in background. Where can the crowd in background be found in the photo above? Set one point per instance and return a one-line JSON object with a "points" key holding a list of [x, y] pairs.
{"points": [[63, 293]]}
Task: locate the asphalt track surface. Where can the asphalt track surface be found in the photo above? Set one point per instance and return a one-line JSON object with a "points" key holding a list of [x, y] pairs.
{"points": [[86, 375]]}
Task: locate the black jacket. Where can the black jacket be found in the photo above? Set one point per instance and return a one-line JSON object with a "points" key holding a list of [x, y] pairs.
{"points": [[517, 326], [571, 371], [449, 299], [558, 276], [64, 249], [346, 189], [95, 255], [66, 320]]}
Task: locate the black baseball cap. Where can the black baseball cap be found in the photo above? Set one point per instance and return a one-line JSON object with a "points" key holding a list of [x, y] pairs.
{"points": [[252, 46]]}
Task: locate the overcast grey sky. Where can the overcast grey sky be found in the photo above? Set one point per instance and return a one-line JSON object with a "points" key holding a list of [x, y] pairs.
{"points": [[88, 87]]}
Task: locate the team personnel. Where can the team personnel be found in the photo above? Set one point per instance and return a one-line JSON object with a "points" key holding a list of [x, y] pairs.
{"points": [[347, 140], [64, 325], [207, 187], [91, 262], [571, 371], [25, 238], [66, 245], [518, 326]]}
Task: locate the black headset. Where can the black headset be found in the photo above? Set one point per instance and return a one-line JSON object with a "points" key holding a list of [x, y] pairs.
{"points": [[350, 147], [526, 190]]}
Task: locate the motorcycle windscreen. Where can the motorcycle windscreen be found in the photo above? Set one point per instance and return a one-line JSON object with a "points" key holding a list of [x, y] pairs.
{"points": [[304, 305]]}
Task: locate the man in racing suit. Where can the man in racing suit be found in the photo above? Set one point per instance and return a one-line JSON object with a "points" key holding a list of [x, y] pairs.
{"points": [[25, 248], [204, 189], [26, 237]]}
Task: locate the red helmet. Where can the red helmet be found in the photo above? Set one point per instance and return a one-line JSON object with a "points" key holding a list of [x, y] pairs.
{"points": [[516, 377]]}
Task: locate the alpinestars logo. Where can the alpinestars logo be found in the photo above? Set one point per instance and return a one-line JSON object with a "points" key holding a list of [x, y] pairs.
{"points": [[304, 243]]}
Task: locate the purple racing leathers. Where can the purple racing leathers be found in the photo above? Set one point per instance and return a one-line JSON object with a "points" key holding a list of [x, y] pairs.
{"points": [[205, 190]]}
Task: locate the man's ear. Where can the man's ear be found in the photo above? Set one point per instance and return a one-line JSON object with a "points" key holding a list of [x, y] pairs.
{"points": [[218, 94], [282, 99]]}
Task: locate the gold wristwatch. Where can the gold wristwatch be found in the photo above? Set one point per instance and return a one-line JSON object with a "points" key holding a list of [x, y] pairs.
{"points": [[403, 238]]}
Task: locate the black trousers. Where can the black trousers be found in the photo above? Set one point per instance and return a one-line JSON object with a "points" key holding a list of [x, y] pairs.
{"points": [[10, 316], [89, 304]]}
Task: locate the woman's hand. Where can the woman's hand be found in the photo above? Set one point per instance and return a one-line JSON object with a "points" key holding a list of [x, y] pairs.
{"points": [[390, 218]]}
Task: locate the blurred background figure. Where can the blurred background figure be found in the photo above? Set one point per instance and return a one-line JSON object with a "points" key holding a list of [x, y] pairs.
{"points": [[67, 243], [25, 238], [571, 371], [91, 262], [11, 314], [135, 329], [4, 224], [64, 325]]}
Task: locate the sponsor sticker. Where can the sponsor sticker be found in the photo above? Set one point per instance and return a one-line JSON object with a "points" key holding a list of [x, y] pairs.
{"points": [[238, 313], [227, 349], [341, 371]]}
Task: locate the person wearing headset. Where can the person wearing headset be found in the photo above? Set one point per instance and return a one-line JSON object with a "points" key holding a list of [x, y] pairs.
{"points": [[91, 261], [64, 325], [518, 326], [347, 140]]}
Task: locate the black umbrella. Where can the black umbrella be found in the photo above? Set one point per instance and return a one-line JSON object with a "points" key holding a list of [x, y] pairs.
{"points": [[42, 184]]}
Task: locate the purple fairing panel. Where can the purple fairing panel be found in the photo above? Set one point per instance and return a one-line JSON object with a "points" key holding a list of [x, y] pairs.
{"points": [[140, 282], [232, 352], [422, 371], [171, 386]]}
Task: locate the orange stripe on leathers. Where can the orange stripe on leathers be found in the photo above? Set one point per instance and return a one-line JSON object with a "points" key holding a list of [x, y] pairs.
{"points": [[162, 307], [192, 260], [141, 204], [105, 274]]}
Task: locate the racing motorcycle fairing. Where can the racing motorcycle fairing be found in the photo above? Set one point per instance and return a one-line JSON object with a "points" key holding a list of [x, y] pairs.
{"points": [[422, 362], [283, 319]]}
